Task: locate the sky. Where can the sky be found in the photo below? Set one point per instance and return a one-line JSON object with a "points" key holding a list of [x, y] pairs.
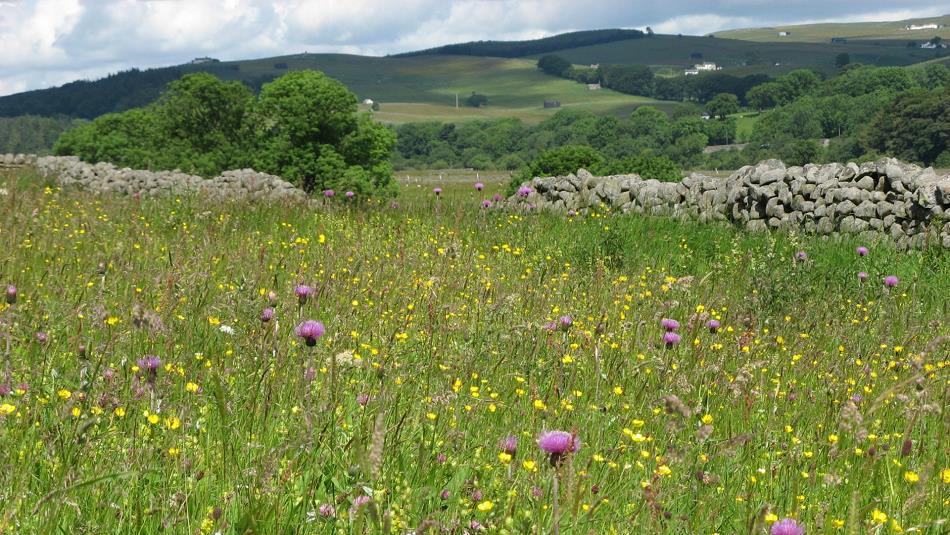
{"points": [[44, 43]]}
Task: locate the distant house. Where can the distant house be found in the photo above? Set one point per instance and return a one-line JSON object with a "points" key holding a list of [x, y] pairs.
{"points": [[930, 26], [368, 101], [199, 61], [839, 40], [690, 72], [552, 103], [932, 45], [593, 87], [784, 34], [707, 66], [594, 65]]}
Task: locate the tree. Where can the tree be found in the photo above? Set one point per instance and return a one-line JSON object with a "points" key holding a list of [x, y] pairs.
{"points": [[554, 65], [915, 127], [477, 100], [722, 105], [201, 120], [629, 79], [842, 59], [308, 132], [764, 96]]}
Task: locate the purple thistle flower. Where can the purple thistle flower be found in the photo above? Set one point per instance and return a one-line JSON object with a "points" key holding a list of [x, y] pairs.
{"points": [[5, 390], [441, 458], [497, 197], [303, 292], [891, 281], [445, 494], [11, 294], [713, 325], [479, 186], [787, 526], [862, 251], [349, 194], [565, 322], [362, 400], [571, 213], [670, 338], [862, 276], [437, 191], [310, 330], [327, 511], [328, 193], [558, 443], [149, 363], [477, 496], [801, 256], [267, 314], [670, 324], [509, 444], [42, 337], [524, 191], [550, 326], [486, 204]]}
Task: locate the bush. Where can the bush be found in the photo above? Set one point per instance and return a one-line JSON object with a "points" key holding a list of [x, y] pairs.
{"points": [[559, 161]]}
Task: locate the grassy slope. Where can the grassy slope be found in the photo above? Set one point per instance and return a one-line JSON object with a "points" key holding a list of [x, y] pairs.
{"points": [[822, 33], [424, 87], [672, 52]]}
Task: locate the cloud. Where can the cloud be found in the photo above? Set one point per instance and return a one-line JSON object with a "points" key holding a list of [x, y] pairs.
{"points": [[50, 42]]}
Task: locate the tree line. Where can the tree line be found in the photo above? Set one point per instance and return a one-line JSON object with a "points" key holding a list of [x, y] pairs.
{"points": [[303, 126], [517, 49]]}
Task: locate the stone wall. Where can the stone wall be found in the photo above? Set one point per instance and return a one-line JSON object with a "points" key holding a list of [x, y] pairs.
{"points": [[107, 178], [16, 160], [906, 202]]}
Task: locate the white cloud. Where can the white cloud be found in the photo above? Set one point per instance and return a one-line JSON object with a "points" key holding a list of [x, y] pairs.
{"points": [[50, 42]]}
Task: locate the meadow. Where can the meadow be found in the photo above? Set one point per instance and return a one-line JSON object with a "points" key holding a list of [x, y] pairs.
{"points": [[160, 373], [823, 32]]}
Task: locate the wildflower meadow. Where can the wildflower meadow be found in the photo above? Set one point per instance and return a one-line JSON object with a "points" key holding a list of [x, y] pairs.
{"points": [[435, 363]]}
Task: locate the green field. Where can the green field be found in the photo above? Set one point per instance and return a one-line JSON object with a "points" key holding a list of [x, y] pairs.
{"points": [[822, 33], [142, 392], [425, 87], [673, 53]]}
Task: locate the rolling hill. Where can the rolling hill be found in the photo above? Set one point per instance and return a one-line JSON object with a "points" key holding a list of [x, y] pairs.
{"points": [[424, 85], [865, 31], [670, 53]]}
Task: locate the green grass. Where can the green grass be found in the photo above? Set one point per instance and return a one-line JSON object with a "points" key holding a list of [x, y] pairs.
{"points": [[822, 33], [743, 57], [424, 88], [800, 405], [744, 124]]}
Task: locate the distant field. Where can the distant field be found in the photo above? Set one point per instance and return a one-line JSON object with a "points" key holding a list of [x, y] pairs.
{"points": [[670, 53], [822, 33], [425, 87]]}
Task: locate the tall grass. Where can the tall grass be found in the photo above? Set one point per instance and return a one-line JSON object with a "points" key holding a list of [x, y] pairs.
{"points": [[819, 398]]}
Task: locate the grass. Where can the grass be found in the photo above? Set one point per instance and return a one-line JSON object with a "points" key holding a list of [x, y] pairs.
{"points": [[425, 87], [744, 125], [818, 398], [673, 53], [822, 33]]}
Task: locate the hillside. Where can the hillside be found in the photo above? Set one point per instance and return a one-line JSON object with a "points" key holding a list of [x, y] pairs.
{"points": [[407, 88], [822, 33], [670, 53]]}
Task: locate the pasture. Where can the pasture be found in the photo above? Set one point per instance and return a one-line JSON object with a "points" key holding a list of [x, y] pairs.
{"points": [[156, 377], [425, 87], [823, 32]]}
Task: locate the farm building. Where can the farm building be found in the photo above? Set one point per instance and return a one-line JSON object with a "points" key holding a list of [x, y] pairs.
{"points": [[705, 66], [552, 103], [784, 34], [199, 61], [931, 26], [368, 101], [593, 87]]}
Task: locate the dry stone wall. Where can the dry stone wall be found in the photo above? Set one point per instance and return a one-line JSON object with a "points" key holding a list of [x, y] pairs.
{"points": [[107, 178], [906, 202]]}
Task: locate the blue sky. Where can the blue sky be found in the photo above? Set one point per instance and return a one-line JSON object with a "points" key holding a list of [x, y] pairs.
{"points": [[49, 42]]}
